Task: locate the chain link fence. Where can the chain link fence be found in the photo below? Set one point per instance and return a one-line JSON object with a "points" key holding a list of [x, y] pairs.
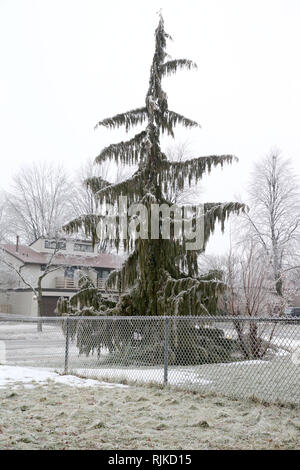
{"points": [[236, 357]]}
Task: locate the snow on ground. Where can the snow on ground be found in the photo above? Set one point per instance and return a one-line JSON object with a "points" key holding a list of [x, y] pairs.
{"points": [[286, 342], [16, 376], [276, 380], [147, 374]]}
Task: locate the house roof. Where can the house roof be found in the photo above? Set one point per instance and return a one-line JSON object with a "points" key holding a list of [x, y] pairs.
{"points": [[30, 256], [83, 240]]}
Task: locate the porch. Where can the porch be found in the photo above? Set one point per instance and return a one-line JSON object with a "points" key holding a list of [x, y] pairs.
{"points": [[62, 282]]}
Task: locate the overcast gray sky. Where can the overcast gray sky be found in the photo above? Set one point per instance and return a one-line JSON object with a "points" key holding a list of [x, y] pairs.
{"points": [[65, 64]]}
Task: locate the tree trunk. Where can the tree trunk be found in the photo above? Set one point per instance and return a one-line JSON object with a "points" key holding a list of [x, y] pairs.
{"points": [[253, 340], [277, 268], [278, 285], [39, 306], [241, 339]]}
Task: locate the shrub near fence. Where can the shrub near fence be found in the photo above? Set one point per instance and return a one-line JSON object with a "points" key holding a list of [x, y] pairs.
{"points": [[225, 355]]}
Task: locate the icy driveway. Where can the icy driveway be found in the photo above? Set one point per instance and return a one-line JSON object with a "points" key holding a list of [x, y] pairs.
{"points": [[13, 376]]}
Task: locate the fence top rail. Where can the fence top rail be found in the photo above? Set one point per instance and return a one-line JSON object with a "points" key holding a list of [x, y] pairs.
{"points": [[201, 318]]}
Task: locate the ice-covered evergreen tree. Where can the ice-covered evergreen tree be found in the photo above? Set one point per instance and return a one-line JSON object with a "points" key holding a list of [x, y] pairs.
{"points": [[160, 276]]}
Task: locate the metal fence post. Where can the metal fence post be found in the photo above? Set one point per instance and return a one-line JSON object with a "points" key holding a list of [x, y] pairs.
{"points": [[67, 346], [166, 358]]}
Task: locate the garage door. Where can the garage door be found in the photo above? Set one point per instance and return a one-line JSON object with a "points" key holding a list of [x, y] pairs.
{"points": [[48, 306]]}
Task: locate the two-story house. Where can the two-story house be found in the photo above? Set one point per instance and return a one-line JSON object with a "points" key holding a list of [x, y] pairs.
{"points": [[72, 256]]}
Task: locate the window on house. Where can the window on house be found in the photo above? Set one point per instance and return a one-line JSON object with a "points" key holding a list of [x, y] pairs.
{"points": [[103, 273], [52, 244], [69, 272], [83, 247]]}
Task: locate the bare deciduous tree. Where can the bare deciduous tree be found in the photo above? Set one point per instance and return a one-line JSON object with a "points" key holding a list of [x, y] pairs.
{"points": [[3, 219], [250, 293], [273, 222], [83, 199], [39, 201], [8, 277]]}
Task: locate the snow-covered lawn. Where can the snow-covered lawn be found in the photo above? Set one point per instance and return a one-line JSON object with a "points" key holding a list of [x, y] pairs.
{"points": [[144, 375], [13, 377], [42, 410], [276, 380]]}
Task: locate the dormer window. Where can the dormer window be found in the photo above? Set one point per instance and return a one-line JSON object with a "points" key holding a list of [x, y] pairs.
{"points": [[87, 248], [53, 243]]}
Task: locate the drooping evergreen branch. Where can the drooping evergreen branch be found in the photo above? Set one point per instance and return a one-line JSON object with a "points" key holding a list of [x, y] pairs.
{"points": [[87, 222], [132, 187], [96, 183], [171, 119], [189, 295], [127, 275], [175, 175], [88, 300], [127, 153], [128, 119], [173, 65], [219, 212]]}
